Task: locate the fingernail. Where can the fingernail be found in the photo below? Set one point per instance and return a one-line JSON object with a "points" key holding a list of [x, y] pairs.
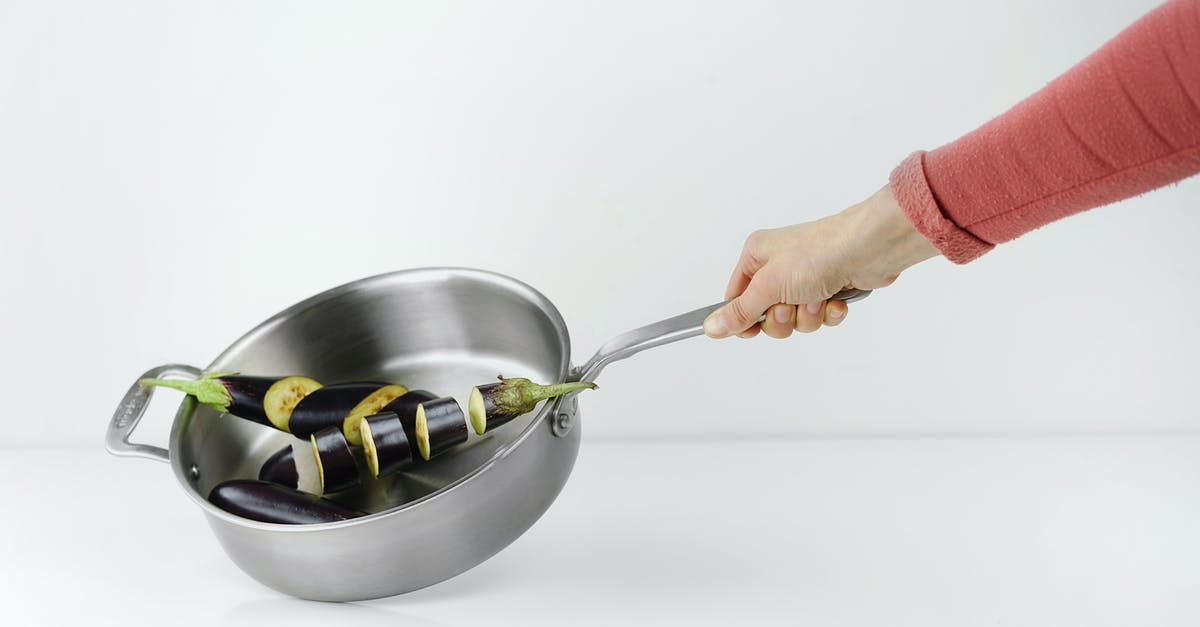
{"points": [[835, 312], [813, 308], [783, 314], [714, 326]]}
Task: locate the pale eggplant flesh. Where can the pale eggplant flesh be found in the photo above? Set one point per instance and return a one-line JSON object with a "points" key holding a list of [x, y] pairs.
{"points": [[273, 503], [440, 426], [372, 404], [496, 404], [386, 446]]}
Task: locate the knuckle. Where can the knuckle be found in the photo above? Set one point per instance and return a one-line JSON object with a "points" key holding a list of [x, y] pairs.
{"points": [[738, 313], [756, 239]]}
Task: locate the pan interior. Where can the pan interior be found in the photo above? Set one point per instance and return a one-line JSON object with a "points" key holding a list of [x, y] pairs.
{"points": [[441, 330]]}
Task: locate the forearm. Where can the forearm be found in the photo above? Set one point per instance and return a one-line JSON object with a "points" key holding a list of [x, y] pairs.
{"points": [[1123, 121]]}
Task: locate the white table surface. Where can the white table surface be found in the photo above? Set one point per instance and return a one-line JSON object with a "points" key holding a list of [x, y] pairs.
{"points": [[866, 531]]}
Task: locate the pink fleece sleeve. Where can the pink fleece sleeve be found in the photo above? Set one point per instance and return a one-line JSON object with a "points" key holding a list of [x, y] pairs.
{"points": [[1123, 121]]}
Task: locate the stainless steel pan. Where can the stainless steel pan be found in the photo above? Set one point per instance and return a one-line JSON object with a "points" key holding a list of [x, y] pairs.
{"points": [[441, 329]]}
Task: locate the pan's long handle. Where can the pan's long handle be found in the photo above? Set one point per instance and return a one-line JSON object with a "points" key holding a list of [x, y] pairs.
{"points": [[666, 331]]}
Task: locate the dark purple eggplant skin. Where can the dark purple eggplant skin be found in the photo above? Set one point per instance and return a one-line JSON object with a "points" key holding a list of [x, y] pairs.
{"points": [[393, 449], [446, 423], [339, 470], [247, 396], [328, 407], [243, 395], [405, 408], [270, 502], [281, 468]]}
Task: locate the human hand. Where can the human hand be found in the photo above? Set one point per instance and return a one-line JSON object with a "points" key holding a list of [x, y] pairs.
{"points": [[789, 273]]}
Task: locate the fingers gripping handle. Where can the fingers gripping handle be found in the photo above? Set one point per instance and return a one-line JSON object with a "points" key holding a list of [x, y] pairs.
{"points": [[133, 406], [851, 295], [666, 331]]}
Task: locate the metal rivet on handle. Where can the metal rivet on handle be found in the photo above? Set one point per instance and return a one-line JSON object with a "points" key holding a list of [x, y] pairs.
{"points": [[194, 471], [561, 425]]}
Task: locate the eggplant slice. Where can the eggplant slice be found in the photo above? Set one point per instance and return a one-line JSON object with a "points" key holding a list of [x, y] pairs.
{"points": [[368, 406], [405, 407], [440, 425], [495, 404], [385, 444], [284, 396], [328, 407], [270, 502], [335, 462]]}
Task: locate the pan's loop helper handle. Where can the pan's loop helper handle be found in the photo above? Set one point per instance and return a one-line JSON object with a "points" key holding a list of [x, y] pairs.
{"points": [[133, 406], [666, 331]]}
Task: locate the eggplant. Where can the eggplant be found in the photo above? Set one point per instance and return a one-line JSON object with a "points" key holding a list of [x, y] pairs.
{"points": [[405, 408], [293, 466], [335, 463], [270, 502], [328, 407], [385, 444], [440, 425], [265, 400], [495, 404], [370, 405], [280, 468]]}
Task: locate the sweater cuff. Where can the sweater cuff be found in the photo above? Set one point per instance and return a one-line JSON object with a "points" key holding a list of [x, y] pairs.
{"points": [[912, 193]]}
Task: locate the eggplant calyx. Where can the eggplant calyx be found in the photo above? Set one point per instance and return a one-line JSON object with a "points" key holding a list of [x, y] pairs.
{"points": [[208, 389], [520, 395]]}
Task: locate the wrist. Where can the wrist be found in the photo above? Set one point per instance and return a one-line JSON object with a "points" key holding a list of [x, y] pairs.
{"points": [[885, 239]]}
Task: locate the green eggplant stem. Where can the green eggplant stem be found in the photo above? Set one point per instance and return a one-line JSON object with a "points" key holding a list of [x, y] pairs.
{"points": [[538, 393], [518, 395], [207, 389]]}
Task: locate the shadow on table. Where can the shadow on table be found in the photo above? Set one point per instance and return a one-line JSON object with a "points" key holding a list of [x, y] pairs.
{"points": [[619, 562], [284, 610]]}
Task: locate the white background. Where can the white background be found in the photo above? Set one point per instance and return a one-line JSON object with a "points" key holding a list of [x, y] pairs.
{"points": [[171, 174], [1031, 531]]}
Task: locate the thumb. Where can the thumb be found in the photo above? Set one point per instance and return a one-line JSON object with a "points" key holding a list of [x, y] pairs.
{"points": [[744, 311]]}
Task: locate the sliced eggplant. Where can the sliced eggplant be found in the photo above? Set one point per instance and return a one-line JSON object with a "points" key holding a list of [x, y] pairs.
{"points": [[406, 408], [283, 398], [270, 502], [495, 404], [440, 425], [254, 398], [335, 463], [293, 466], [328, 407], [385, 444], [370, 405], [281, 468]]}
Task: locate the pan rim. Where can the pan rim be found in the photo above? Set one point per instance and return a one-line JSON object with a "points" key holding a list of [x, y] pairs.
{"points": [[410, 275]]}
